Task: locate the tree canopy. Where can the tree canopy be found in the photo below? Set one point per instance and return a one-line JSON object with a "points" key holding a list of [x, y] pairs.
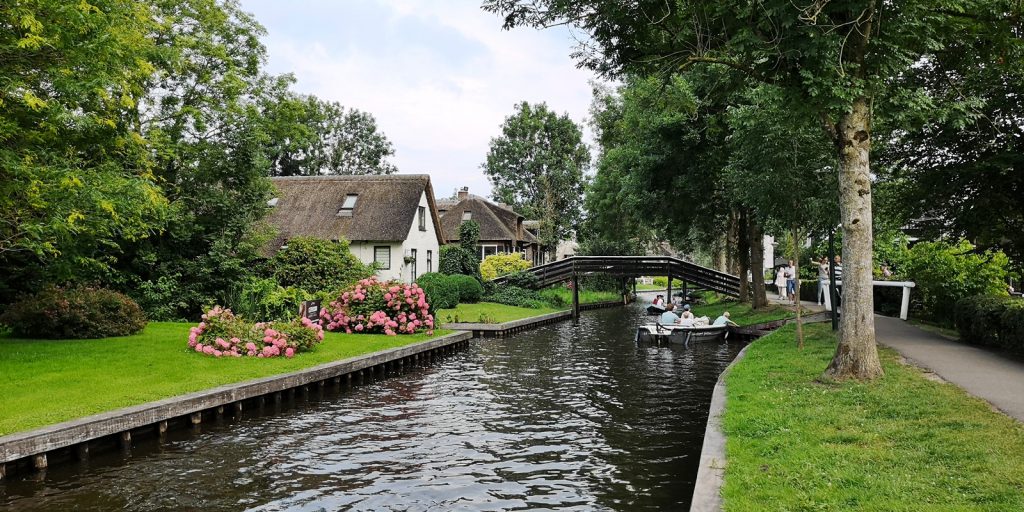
{"points": [[537, 165]]}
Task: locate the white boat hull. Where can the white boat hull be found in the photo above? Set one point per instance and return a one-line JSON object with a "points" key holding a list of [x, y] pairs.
{"points": [[680, 334]]}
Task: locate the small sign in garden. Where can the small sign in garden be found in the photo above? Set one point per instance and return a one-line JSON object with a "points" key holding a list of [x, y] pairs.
{"points": [[310, 309]]}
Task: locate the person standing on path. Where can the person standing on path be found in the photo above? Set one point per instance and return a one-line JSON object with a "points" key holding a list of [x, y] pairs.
{"points": [[822, 279], [780, 282], [791, 278]]}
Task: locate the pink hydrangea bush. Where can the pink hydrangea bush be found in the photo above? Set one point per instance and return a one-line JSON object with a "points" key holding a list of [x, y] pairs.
{"points": [[222, 334], [372, 306]]}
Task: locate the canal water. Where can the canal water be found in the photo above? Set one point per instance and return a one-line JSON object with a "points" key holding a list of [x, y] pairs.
{"points": [[554, 418]]}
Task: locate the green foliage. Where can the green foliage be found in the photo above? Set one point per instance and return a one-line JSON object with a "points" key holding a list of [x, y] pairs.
{"points": [[312, 137], [453, 259], [946, 273], [663, 282], [526, 280], [264, 300], [469, 235], [501, 264], [470, 290], [442, 291], [162, 299], [317, 265], [74, 313], [601, 283], [515, 296], [537, 165]]}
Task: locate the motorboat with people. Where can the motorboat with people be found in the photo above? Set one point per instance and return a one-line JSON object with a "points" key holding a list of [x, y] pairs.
{"points": [[655, 309], [681, 334]]}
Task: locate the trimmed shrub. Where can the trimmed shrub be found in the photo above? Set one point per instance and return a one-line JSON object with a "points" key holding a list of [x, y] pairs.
{"points": [[470, 290], [991, 321], [515, 296], [372, 306], [522, 280], [455, 260], [497, 265], [316, 265], [442, 292], [222, 334], [74, 313]]}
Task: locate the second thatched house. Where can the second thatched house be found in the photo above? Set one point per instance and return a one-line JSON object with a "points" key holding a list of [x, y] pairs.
{"points": [[389, 220], [502, 230]]}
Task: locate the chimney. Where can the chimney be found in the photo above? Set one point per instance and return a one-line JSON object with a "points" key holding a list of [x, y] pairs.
{"points": [[463, 192]]}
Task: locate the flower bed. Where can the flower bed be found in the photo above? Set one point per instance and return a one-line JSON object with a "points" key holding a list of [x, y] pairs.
{"points": [[376, 307], [222, 334]]}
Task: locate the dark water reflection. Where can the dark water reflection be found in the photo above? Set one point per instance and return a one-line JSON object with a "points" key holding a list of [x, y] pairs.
{"points": [[555, 418]]}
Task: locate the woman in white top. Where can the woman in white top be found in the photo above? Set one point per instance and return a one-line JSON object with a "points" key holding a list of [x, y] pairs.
{"points": [[780, 282]]}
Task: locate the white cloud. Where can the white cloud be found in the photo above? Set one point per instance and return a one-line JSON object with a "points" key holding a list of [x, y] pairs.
{"points": [[439, 75]]}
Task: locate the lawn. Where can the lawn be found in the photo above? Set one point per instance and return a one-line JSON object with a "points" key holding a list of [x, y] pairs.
{"points": [[489, 313], [562, 296], [44, 382], [902, 442], [743, 314]]}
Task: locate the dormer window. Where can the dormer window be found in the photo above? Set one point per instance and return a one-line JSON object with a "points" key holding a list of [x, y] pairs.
{"points": [[467, 215], [348, 205]]}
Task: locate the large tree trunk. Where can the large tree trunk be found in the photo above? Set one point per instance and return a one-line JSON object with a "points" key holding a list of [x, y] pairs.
{"points": [[756, 236], [856, 356], [743, 254]]}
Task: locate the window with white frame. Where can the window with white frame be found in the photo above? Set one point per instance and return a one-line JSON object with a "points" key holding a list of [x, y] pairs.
{"points": [[382, 256]]}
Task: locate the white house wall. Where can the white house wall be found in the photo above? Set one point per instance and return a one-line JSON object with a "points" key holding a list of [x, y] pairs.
{"points": [[422, 241]]}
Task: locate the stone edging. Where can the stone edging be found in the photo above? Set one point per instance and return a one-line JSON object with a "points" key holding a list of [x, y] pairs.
{"points": [[707, 488], [37, 442]]}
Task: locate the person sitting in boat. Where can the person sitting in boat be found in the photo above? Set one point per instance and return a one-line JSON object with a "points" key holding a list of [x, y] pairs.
{"points": [[724, 320], [686, 312], [668, 317], [659, 301]]}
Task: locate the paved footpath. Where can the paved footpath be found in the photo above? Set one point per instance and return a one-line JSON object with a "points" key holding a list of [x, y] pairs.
{"points": [[981, 373]]}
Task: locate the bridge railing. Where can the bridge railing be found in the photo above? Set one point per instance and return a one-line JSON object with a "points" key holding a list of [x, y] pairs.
{"points": [[635, 266]]}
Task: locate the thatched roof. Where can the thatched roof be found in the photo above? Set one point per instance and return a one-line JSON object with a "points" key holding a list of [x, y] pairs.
{"points": [[497, 221], [384, 211]]}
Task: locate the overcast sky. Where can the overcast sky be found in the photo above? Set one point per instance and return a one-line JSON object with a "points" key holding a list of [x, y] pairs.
{"points": [[440, 76]]}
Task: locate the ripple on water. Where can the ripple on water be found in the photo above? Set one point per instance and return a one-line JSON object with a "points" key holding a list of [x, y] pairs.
{"points": [[554, 418]]}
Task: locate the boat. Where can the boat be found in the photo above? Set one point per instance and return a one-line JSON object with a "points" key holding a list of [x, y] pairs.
{"points": [[680, 334], [655, 309]]}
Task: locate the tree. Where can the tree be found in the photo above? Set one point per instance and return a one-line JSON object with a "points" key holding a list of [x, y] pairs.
{"points": [[75, 175], [310, 137], [830, 60], [537, 166]]}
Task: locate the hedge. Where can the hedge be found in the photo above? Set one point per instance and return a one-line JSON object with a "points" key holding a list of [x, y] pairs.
{"points": [[442, 291], [74, 313], [991, 321], [470, 290]]}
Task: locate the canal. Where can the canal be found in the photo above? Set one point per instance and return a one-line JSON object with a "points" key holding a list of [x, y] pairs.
{"points": [[555, 418]]}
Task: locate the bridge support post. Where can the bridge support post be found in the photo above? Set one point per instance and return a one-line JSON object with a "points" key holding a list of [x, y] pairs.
{"points": [[668, 270], [575, 297]]}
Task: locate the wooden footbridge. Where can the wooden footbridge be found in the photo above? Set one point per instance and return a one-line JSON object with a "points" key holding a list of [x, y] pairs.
{"points": [[691, 274]]}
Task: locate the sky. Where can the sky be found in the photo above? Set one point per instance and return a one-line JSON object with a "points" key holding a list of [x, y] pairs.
{"points": [[440, 76]]}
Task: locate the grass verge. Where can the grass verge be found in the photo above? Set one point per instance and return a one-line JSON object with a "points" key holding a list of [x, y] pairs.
{"points": [[743, 314], [901, 442], [45, 381], [562, 297], [489, 313]]}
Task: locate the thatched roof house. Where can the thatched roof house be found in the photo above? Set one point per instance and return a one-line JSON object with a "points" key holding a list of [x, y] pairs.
{"points": [[502, 230], [391, 220]]}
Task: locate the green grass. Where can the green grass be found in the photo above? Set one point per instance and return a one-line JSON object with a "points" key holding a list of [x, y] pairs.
{"points": [[642, 287], [742, 314], [489, 313], [561, 296], [900, 443], [44, 382]]}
